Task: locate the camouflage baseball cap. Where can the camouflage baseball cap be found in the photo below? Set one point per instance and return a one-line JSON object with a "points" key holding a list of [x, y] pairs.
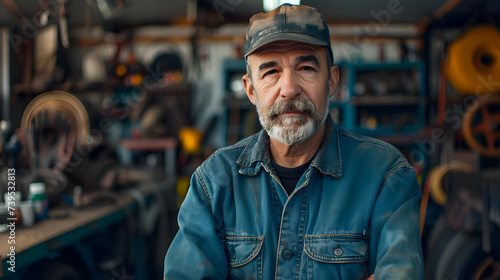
{"points": [[288, 22]]}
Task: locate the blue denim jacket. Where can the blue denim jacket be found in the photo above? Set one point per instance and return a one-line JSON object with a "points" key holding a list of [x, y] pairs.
{"points": [[353, 213]]}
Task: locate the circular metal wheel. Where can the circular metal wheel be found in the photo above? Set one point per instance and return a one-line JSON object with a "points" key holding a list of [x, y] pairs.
{"points": [[481, 127], [475, 58]]}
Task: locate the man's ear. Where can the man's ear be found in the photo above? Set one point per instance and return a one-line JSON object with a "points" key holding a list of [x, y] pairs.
{"points": [[247, 84], [333, 80]]}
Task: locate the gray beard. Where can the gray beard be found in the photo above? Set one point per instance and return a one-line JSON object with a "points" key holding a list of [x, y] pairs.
{"points": [[293, 129]]}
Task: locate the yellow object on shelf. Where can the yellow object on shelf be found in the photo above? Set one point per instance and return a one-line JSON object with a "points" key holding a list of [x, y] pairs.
{"points": [[190, 139]]}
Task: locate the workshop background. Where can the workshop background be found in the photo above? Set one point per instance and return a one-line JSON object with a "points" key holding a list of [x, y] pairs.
{"points": [[108, 106]]}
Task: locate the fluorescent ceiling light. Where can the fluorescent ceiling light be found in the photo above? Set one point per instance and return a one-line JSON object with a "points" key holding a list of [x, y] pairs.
{"points": [[271, 4]]}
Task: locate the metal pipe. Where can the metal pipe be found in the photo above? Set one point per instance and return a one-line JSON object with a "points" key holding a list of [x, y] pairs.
{"points": [[4, 74]]}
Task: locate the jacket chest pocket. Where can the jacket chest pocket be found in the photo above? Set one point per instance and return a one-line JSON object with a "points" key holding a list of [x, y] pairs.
{"points": [[344, 255], [244, 257]]}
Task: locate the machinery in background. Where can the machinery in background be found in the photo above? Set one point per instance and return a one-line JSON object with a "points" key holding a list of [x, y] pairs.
{"points": [[464, 241]]}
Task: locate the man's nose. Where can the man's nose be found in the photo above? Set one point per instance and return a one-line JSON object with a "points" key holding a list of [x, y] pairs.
{"points": [[289, 85]]}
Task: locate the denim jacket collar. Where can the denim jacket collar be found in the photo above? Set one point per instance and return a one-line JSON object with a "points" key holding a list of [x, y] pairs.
{"points": [[328, 159]]}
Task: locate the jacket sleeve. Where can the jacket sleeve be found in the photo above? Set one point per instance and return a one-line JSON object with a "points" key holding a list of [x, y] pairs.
{"points": [[196, 252], [395, 249]]}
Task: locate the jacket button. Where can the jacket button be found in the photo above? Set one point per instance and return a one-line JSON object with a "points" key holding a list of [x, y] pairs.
{"points": [[338, 252], [287, 254]]}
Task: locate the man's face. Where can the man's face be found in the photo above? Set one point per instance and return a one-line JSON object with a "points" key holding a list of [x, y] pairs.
{"points": [[290, 86]]}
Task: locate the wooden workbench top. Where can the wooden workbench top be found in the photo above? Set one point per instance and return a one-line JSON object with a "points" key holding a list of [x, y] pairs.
{"points": [[44, 230]]}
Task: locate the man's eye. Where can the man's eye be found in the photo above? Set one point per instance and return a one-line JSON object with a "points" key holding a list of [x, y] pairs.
{"points": [[270, 72], [307, 68]]}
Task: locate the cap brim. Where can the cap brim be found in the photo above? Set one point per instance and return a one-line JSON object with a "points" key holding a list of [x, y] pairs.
{"points": [[298, 37]]}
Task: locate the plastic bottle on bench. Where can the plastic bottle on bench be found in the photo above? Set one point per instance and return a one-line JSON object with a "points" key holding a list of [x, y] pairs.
{"points": [[40, 201]]}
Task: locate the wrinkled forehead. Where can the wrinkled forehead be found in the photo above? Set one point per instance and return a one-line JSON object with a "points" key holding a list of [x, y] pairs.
{"points": [[289, 49]]}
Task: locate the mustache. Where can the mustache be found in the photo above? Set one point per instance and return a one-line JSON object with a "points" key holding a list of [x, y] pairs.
{"points": [[301, 105]]}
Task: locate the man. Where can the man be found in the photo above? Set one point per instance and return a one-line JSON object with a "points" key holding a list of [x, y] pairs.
{"points": [[304, 198]]}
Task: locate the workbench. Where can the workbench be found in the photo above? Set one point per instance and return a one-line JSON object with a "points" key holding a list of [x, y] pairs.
{"points": [[33, 244]]}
